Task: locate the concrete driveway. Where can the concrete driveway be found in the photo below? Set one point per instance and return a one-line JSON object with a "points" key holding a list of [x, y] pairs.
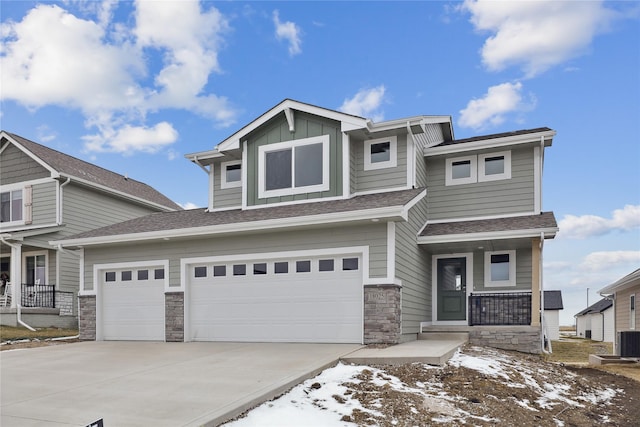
{"points": [[159, 384]]}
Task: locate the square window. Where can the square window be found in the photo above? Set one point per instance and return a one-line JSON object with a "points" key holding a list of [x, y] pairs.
{"points": [[231, 174], [278, 170], [260, 268], [494, 166], [11, 206], [239, 270], [110, 276], [200, 272], [219, 270], [308, 165], [158, 273], [500, 268], [380, 153], [281, 267], [143, 274], [126, 276], [349, 264], [303, 266], [461, 170], [325, 265]]}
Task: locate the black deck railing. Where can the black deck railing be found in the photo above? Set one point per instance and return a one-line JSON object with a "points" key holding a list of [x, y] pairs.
{"points": [[38, 295], [512, 308]]}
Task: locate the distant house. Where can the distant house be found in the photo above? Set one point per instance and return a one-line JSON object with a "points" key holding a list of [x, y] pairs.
{"points": [[596, 321], [552, 307], [624, 294], [47, 195]]}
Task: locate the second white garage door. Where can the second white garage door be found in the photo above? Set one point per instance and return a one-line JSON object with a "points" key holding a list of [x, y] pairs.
{"points": [[309, 299]]}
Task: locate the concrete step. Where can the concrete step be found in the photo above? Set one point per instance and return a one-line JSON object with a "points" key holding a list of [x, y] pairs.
{"points": [[435, 352], [444, 336]]}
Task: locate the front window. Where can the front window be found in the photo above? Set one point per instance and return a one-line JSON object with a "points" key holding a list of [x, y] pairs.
{"points": [[36, 269], [500, 268], [231, 175], [380, 153], [11, 206], [293, 167]]}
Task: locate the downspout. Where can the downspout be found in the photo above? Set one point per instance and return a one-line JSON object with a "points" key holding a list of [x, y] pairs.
{"points": [[542, 324], [18, 306]]}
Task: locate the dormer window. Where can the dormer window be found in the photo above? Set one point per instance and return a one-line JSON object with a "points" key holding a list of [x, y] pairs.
{"points": [[293, 167], [380, 153], [231, 175]]}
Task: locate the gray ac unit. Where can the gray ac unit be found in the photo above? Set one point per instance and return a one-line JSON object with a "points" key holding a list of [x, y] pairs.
{"points": [[629, 343]]}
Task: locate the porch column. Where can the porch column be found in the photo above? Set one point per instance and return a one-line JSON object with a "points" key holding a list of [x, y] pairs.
{"points": [[15, 273], [535, 282]]}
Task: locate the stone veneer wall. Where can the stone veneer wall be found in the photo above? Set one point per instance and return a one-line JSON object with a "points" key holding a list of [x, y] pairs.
{"points": [[382, 314], [174, 316], [87, 317], [525, 339]]}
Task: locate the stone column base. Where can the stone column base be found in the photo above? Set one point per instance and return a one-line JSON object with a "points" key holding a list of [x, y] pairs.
{"points": [[382, 314], [87, 317], [174, 316]]}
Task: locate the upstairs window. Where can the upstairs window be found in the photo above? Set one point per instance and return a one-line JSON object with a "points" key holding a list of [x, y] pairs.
{"points": [[11, 206], [380, 153], [494, 166], [293, 167], [478, 168], [231, 176], [500, 268], [461, 170]]}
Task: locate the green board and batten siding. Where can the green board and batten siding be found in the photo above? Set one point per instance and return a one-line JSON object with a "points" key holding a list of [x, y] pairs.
{"points": [[277, 130], [508, 196], [224, 198], [380, 179]]}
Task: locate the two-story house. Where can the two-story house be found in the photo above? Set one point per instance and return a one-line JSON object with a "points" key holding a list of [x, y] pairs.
{"points": [[48, 195], [327, 227]]}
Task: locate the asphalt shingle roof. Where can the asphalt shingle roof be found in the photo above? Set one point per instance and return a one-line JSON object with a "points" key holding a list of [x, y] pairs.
{"points": [[494, 136], [553, 300], [70, 166], [196, 218], [528, 222], [598, 307]]}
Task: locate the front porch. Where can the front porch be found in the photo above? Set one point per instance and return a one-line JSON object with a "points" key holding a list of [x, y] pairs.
{"points": [[37, 305]]}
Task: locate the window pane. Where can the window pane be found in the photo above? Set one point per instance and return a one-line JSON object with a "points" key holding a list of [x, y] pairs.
{"points": [[234, 173], [461, 169], [281, 267], [239, 270], [308, 165], [380, 152], [278, 169], [303, 266], [219, 270], [325, 265], [499, 267], [158, 273], [16, 205], [494, 165], [350, 264], [143, 274], [110, 276], [5, 207], [200, 272], [260, 268], [126, 276]]}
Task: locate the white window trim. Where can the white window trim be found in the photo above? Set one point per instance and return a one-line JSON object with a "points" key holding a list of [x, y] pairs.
{"points": [[488, 283], [393, 153], [25, 255], [473, 176], [223, 175], [482, 177], [263, 149], [9, 189]]}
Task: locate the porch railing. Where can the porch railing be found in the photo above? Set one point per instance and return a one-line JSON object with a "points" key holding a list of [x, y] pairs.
{"points": [[512, 308], [38, 295]]}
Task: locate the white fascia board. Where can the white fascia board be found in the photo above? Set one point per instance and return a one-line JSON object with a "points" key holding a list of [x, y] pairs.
{"points": [[233, 142], [389, 213], [412, 203], [493, 235], [632, 279], [529, 138], [203, 155], [402, 123], [54, 173]]}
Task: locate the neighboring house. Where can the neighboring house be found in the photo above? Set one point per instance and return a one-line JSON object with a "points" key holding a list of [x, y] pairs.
{"points": [[596, 321], [327, 227], [47, 195], [552, 307], [624, 293]]}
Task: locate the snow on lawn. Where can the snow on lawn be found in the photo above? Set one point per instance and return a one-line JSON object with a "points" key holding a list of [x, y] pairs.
{"points": [[326, 400]]}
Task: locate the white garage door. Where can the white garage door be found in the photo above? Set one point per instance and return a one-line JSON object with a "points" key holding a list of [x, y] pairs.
{"points": [[133, 304], [278, 300]]}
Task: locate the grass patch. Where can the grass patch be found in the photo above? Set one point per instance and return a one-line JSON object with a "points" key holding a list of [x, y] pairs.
{"points": [[577, 350], [10, 333]]}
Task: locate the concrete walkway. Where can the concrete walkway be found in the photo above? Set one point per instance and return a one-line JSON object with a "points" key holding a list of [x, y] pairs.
{"points": [[151, 384], [430, 351]]}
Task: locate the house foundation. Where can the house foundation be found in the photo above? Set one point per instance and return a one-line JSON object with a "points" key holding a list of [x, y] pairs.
{"points": [[525, 339]]}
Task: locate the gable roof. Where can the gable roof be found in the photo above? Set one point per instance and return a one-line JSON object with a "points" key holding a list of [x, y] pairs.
{"points": [[198, 222], [598, 307], [68, 166], [553, 300], [516, 226], [631, 279]]}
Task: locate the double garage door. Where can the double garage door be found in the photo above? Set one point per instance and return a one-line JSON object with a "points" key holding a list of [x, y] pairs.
{"points": [[289, 299]]}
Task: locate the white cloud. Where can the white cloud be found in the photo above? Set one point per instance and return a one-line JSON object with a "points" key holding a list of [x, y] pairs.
{"points": [[365, 103], [188, 205], [100, 67], [584, 226], [288, 31], [536, 35], [492, 108], [606, 260]]}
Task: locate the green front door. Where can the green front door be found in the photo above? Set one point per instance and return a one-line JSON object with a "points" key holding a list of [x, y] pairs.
{"points": [[452, 288]]}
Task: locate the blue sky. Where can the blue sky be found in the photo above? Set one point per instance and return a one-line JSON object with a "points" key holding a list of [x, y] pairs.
{"points": [[133, 86]]}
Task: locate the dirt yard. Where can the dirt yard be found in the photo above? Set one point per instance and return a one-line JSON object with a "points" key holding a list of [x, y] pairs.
{"points": [[16, 338]]}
